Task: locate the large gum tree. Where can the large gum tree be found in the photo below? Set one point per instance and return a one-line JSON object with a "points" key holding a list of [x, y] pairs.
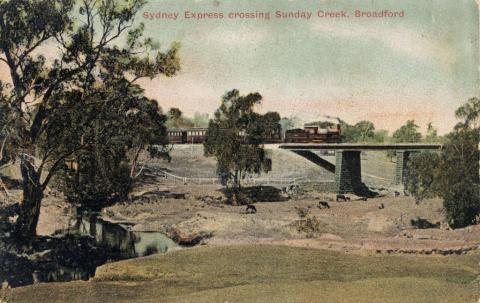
{"points": [[56, 51], [236, 136]]}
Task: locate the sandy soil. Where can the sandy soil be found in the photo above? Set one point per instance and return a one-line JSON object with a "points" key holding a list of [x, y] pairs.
{"points": [[348, 226], [357, 226]]}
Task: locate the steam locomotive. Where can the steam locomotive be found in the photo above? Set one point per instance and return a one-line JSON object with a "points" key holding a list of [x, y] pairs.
{"points": [[309, 134]]}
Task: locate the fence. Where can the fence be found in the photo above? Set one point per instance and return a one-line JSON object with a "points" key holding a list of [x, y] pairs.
{"points": [[248, 181]]}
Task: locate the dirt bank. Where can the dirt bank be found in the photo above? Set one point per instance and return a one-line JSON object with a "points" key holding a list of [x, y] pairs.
{"points": [[354, 225]]}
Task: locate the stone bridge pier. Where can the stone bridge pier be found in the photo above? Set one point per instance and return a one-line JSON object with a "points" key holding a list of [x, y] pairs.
{"points": [[348, 168], [348, 171], [401, 166]]}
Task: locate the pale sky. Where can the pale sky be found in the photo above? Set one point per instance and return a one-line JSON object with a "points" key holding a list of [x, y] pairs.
{"points": [[387, 70]]}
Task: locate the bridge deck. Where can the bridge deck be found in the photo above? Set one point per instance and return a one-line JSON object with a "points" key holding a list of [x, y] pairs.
{"points": [[360, 147]]}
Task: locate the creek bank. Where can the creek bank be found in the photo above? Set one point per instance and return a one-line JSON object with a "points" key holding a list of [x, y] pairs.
{"points": [[72, 254], [50, 259]]}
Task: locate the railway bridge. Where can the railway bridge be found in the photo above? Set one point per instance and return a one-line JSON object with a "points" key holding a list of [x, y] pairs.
{"points": [[348, 168]]}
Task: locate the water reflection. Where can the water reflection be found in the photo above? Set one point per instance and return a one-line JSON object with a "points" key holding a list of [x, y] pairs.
{"points": [[121, 240]]}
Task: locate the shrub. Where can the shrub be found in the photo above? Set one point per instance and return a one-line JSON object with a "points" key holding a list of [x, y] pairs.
{"points": [[459, 177], [310, 225], [422, 177]]}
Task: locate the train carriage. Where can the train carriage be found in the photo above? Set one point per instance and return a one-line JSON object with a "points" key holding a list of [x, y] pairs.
{"points": [[309, 134], [186, 135], [176, 136], [196, 135]]}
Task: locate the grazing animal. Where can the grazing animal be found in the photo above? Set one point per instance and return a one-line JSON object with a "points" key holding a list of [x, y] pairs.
{"points": [[323, 204], [292, 189], [342, 197], [251, 209], [381, 206], [396, 193]]}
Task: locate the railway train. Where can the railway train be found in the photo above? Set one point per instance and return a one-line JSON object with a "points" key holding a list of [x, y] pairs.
{"points": [[309, 134], [313, 134]]}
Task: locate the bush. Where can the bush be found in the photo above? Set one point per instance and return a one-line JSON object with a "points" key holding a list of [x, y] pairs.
{"points": [[462, 205], [309, 225], [252, 194], [422, 177], [302, 211], [93, 188], [452, 175], [459, 177]]}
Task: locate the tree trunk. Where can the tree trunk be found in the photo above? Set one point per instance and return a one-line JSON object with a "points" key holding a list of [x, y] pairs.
{"points": [[236, 189], [26, 225], [134, 163]]}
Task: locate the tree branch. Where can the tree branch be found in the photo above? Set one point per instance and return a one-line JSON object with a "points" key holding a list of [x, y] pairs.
{"points": [[56, 164]]}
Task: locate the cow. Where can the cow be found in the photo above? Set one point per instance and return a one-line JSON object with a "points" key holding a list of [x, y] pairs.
{"points": [[323, 204], [342, 197], [251, 209]]}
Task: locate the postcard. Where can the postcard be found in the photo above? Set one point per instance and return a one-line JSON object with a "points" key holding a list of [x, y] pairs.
{"points": [[239, 151]]}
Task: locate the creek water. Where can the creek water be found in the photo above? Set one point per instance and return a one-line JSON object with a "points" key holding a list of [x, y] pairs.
{"points": [[121, 240], [80, 257]]}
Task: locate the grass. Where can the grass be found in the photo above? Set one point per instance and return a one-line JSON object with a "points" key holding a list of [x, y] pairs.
{"points": [[260, 273], [189, 161]]}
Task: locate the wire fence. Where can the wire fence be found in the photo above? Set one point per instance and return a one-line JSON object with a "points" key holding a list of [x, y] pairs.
{"points": [[247, 181]]}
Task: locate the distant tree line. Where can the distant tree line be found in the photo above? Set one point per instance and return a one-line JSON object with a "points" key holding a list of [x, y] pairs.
{"points": [[176, 119]]}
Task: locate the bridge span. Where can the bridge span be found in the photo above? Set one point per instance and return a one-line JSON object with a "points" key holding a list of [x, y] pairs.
{"points": [[360, 147], [348, 168]]}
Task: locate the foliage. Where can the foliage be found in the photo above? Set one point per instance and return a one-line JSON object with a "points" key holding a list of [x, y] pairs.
{"points": [[452, 175], [407, 133], [176, 119], [7, 146], [432, 134], [470, 112], [381, 136], [103, 172], [459, 177], [422, 179], [92, 47], [362, 132], [235, 137], [309, 225], [302, 211], [365, 130]]}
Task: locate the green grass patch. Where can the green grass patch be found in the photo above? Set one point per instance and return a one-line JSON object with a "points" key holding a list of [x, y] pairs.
{"points": [[270, 274]]}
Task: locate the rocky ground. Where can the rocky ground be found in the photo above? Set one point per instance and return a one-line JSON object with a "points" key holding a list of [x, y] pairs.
{"points": [[388, 226], [385, 224]]}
